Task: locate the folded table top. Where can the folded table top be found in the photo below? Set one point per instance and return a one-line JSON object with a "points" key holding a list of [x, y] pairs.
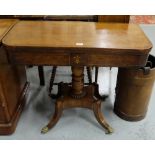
{"points": [[113, 37]]}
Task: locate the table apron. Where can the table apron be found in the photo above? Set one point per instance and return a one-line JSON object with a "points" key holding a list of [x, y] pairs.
{"points": [[77, 59]]}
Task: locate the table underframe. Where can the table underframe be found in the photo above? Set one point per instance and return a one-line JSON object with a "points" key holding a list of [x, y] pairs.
{"points": [[78, 95]]}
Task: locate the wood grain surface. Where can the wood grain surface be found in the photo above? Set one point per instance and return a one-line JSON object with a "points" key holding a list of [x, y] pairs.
{"points": [[77, 35]]}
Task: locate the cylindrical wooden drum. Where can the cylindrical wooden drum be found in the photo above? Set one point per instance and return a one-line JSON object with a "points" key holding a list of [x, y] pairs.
{"points": [[133, 91]]}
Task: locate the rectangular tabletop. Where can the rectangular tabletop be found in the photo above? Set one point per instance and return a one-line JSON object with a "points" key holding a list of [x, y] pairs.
{"points": [[58, 43]]}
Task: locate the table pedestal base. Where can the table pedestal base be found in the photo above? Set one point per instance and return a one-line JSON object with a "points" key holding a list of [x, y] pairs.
{"points": [[89, 100]]}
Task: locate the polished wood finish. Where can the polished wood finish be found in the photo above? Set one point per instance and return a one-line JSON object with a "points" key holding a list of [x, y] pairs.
{"points": [[68, 99], [77, 44], [5, 26], [53, 77], [77, 82], [28, 17], [119, 37], [84, 18], [111, 19], [99, 18], [51, 18], [101, 40], [13, 86]]}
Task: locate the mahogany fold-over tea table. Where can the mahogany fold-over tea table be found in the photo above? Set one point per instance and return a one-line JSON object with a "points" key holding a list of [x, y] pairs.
{"points": [[77, 44]]}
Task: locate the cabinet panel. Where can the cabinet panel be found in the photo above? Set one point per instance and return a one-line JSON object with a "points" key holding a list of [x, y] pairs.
{"points": [[12, 93]]}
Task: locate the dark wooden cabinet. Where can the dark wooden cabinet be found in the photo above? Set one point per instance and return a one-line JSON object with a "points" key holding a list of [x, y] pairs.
{"points": [[13, 86]]}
